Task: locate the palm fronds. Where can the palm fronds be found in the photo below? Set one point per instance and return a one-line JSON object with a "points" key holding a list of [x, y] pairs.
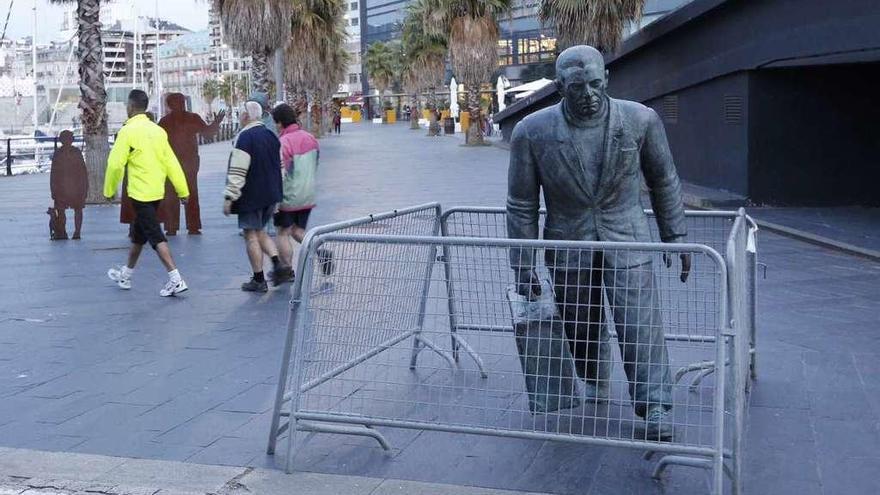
{"points": [[599, 23]]}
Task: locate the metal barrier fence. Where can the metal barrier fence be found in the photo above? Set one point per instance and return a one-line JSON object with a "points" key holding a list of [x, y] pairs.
{"points": [[353, 360], [417, 220], [709, 228]]}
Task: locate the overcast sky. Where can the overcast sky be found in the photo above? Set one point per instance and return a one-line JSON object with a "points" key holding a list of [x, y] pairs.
{"points": [[191, 14]]}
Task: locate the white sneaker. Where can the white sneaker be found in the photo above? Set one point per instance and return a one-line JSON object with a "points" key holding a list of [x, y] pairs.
{"points": [[115, 274], [172, 288]]}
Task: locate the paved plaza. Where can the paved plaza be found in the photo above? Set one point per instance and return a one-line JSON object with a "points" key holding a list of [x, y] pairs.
{"points": [[88, 369]]}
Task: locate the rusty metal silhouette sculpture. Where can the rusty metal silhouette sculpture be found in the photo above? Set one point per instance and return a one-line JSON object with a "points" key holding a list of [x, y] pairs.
{"points": [[69, 185], [183, 130]]}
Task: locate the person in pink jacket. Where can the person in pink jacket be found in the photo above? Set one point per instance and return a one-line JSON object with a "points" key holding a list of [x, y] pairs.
{"points": [[299, 166]]}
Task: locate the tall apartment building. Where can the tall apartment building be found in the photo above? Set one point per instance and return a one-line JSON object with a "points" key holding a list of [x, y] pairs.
{"points": [[185, 64], [352, 84], [224, 60]]}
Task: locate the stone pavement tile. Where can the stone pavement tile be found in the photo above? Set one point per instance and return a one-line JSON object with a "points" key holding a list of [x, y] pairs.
{"points": [[109, 418], [566, 467], [175, 412], [175, 475], [54, 442], [204, 429], [271, 482], [856, 475], [402, 487], [781, 382], [845, 404], [847, 438], [138, 445], [624, 472], [257, 399], [773, 431], [38, 464], [229, 451], [21, 432], [831, 371]]}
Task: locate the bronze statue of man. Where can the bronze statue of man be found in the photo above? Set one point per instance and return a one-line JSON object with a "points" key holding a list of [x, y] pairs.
{"points": [[588, 155]]}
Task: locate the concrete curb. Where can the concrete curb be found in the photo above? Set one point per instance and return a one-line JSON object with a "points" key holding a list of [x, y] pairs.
{"points": [[819, 240], [36, 472]]}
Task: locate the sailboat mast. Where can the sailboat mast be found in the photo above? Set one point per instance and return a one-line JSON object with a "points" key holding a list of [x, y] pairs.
{"points": [[157, 81], [36, 117]]}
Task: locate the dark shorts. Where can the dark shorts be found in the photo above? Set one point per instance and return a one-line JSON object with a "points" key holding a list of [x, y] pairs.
{"points": [[257, 219], [145, 227], [287, 219]]}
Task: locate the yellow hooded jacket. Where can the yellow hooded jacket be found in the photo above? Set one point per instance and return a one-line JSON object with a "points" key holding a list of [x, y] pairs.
{"points": [[143, 147]]}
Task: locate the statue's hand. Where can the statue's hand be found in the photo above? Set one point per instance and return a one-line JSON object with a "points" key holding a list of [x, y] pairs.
{"points": [[528, 284], [685, 265]]}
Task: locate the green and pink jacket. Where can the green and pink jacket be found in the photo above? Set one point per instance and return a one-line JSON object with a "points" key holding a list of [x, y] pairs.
{"points": [[299, 166]]}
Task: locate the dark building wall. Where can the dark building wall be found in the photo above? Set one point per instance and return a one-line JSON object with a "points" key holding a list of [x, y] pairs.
{"points": [[782, 66], [707, 39], [815, 135], [708, 133]]}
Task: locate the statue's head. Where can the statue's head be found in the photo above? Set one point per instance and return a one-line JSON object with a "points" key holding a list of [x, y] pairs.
{"points": [[66, 138], [176, 102], [582, 79]]}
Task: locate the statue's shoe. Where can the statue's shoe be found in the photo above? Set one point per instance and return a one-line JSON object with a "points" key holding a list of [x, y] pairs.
{"points": [[658, 425]]}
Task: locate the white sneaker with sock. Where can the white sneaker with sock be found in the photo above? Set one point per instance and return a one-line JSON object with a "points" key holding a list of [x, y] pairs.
{"points": [[175, 285], [121, 275]]}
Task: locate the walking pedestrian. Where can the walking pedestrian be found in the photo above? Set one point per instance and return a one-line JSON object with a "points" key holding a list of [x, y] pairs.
{"points": [[337, 122], [253, 191], [142, 151], [299, 163]]}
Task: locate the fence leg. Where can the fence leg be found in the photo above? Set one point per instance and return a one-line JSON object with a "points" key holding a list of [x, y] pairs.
{"points": [[8, 157], [280, 398]]}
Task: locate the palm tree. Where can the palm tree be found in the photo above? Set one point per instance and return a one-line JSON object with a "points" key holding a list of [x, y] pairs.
{"points": [[210, 92], [316, 59], [93, 94], [425, 56], [257, 27], [472, 27], [599, 23], [379, 62]]}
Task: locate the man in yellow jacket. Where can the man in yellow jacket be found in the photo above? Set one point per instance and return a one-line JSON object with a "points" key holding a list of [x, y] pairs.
{"points": [[142, 148]]}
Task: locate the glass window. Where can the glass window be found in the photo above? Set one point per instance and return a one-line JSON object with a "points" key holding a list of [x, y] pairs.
{"points": [[355, 21], [352, 78], [505, 53], [353, 6]]}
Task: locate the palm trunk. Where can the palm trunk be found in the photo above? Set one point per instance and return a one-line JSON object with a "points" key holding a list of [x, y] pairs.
{"points": [[475, 131], [316, 116], [260, 72], [414, 113], [93, 100]]}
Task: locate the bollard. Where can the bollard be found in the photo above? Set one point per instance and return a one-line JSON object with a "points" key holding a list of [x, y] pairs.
{"points": [[8, 157]]}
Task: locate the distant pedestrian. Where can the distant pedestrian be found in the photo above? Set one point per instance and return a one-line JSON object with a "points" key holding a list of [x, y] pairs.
{"points": [[266, 115], [337, 122], [299, 163], [69, 184], [142, 151], [253, 191]]}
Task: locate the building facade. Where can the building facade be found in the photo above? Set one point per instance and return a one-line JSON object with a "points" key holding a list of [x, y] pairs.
{"points": [[351, 86], [185, 64]]}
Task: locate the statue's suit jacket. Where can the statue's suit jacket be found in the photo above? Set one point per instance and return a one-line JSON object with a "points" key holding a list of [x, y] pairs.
{"points": [[581, 203]]}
